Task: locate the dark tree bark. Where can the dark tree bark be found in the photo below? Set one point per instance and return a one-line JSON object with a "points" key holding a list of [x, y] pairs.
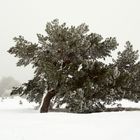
{"points": [[46, 102]]}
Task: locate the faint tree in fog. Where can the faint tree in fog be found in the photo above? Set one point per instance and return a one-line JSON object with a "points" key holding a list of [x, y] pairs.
{"points": [[6, 85]]}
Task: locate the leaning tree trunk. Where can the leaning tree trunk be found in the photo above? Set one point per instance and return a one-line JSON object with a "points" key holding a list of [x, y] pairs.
{"points": [[46, 102]]}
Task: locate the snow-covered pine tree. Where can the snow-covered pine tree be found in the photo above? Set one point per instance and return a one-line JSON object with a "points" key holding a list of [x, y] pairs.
{"points": [[69, 68], [128, 81]]}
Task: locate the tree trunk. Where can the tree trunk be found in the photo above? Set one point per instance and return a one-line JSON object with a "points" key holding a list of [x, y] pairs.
{"points": [[46, 102]]}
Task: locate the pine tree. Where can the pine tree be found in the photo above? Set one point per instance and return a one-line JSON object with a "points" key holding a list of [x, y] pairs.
{"points": [[69, 68], [129, 68]]}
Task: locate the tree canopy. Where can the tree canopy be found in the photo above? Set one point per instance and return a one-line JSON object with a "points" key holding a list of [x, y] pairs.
{"points": [[69, 69]]}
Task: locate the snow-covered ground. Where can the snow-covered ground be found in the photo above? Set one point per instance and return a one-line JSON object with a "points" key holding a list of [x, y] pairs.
{"points": [[22, 122]]}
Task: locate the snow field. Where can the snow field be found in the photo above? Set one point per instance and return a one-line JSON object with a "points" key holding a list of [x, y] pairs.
{"points": [[22, 122]]}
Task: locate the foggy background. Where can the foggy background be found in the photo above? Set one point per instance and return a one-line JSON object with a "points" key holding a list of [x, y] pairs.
{"points": [[116, 18], [6, 85]]}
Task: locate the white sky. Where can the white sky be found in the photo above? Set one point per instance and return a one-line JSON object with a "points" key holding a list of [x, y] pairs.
{"points": [[118, 18]]}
